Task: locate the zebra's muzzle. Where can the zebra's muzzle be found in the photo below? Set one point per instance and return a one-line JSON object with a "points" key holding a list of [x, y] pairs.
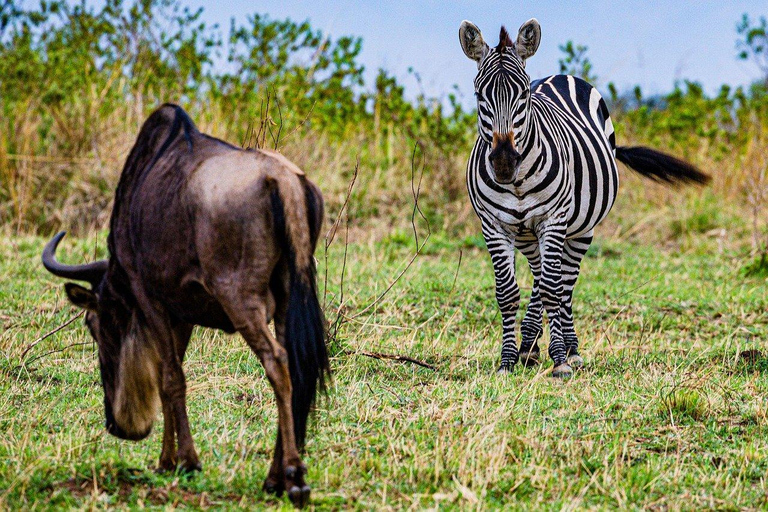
{"points": [[505, 161]]}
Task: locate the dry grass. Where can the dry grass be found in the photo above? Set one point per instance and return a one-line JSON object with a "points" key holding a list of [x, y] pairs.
{"points": [[669, 414], [67, 178], [52, 189]]}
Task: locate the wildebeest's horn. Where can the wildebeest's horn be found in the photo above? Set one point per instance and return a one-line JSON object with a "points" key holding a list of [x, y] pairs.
{"points": [[91, 272]]}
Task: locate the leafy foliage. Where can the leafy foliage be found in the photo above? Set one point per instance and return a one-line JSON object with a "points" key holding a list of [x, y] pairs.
{"points": [[575, 62], [754, 43], [77, 81]]}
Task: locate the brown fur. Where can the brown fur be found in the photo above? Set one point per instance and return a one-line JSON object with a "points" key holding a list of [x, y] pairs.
{"points": [[499, 139], [292, 195], [204, 233]]}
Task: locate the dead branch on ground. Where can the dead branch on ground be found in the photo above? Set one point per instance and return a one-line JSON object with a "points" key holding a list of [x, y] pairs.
{"points": [[48, 335], [395, 357]]}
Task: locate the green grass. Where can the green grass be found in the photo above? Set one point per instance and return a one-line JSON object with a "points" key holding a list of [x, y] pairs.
{"points": [[667, 414]]}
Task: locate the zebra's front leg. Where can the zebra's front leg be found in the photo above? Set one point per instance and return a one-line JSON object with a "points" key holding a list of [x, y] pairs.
{"points": [[531, 328], [502, 252], [551, 241]]}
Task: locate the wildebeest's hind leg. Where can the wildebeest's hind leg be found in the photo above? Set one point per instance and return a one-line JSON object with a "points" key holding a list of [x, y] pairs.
{"points": [[275, 481], [274, 358], [168, 461]]}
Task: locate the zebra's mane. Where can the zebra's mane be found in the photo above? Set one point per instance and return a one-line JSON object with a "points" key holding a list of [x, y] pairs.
{"points": [[504, 40]]}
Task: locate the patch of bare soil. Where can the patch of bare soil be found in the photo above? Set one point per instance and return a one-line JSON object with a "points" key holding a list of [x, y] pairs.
{"points": [[169, 494], [750, 357]]}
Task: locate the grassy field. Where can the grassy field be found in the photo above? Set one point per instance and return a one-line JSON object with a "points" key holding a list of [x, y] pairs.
{"points": [[671, 411]]}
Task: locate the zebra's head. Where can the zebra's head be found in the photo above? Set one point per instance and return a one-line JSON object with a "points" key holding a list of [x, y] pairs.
{"points": [[503, 91]]}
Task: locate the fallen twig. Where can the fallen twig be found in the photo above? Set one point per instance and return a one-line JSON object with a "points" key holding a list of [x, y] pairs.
{"points": [[49, 334], [60, 350], [395, 357]]}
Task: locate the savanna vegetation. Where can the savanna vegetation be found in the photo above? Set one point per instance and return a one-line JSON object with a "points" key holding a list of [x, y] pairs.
{"points": [[671, 411]]}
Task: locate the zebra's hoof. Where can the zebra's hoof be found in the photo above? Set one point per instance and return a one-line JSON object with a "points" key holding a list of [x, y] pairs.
{"points": [[575, 361], [562, 371], [529, 359], [504, 370]]}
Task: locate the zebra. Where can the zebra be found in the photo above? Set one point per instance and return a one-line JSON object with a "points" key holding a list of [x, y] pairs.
{"points": [[541, 175]]}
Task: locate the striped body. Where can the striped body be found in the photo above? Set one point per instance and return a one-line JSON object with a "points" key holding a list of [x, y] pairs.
{"points": [[566, 184], [541, 176], [568, 165]]}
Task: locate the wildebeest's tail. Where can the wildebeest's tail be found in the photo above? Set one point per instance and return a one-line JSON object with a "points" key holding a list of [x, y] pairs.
{"points": [[297, 212], [660, 167]]}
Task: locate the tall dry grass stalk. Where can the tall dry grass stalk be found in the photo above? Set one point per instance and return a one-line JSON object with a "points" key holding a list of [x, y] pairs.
{"points": [[61, 173], [58, 169], [755, 172]]}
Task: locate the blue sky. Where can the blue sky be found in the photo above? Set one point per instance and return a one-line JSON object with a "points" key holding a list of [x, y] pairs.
{"points": [[650, 43]]}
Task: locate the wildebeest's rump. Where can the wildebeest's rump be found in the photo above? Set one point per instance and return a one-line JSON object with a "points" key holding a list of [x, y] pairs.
{"points": [[204, 233]]}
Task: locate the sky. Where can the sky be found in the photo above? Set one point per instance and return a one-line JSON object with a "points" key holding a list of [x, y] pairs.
{"points": [[651, 43]]}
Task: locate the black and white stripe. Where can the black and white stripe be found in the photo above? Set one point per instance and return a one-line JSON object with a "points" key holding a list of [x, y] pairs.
{"points": [[542, 174]]}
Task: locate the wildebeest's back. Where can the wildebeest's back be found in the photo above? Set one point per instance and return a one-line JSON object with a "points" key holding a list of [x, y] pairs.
{"points": [[149, 194], [238, 242], [153, 226], [190, 209]]}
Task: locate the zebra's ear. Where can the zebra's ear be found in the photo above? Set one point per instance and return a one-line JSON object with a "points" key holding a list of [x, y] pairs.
{"points": [[528, 38], [472, 41]]}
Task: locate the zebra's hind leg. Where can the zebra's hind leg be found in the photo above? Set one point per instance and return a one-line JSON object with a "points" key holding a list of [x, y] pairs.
{"points": [[573, 252], [531, 328]]}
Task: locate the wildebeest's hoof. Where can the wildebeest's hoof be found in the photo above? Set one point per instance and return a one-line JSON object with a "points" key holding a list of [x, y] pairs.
{"points": [[299, 496], [576, 362], [165, 467], [529, 359], [298, 491], [562, 371], [272, 486], [189, 466]]}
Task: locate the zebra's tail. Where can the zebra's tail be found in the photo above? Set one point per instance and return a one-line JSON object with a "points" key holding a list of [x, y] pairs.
{"points": [[660, 167]]}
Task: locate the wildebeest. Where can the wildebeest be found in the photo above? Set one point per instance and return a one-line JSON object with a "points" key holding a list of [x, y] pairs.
{"points": [[204, 233]]}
